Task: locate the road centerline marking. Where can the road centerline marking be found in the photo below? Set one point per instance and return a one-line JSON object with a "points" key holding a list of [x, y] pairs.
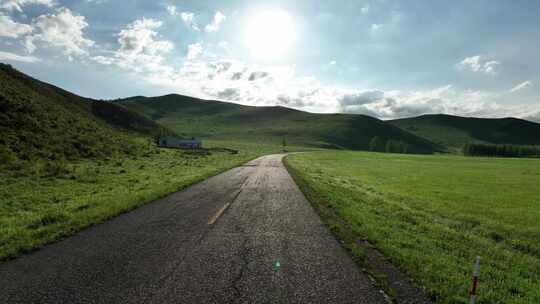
{"points": [[220, 212], [214, 218]]}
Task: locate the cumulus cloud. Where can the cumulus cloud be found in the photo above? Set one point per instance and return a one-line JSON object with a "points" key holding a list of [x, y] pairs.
{"points": [[446, 99], [189, 20], [359, 98], [215, 24], [103, 60], [17, 5], [258, 75], [14, 57], [139, 38], [171, 9], [229, 94], [12, 29], [62, 29], [140, 48], [479, 64], [194, 50], [521, 86]]}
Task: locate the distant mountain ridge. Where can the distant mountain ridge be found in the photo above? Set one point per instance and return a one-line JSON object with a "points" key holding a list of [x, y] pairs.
{"points": [[230, 121], [455, 131]]}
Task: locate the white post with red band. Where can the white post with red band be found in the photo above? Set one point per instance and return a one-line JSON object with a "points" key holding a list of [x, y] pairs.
{"points": [[472, 292]]}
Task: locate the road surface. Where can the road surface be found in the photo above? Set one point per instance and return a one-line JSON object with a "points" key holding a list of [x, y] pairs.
{"points": [[245, 236]]}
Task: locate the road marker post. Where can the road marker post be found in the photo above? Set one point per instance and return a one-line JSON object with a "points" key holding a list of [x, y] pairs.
{"points": [[472, 292]]}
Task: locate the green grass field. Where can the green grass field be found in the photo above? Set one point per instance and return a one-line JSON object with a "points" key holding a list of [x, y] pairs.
{"points": [[36, 208], [431, 215]]}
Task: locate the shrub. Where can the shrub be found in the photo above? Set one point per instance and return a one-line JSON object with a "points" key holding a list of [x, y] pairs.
{"points": [[472, 149]]}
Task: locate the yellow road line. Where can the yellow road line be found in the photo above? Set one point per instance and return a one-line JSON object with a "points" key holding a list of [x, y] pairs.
{"points": [[214, 218]]}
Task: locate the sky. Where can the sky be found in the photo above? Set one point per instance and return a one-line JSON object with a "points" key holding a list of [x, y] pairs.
{"points": [[384, 58]]}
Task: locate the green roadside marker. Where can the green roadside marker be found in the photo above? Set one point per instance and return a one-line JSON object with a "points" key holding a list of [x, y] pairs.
{"points": [[278, 264]]}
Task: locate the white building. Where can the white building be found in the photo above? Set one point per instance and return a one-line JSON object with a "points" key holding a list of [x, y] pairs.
{"points": [[180, 143]]}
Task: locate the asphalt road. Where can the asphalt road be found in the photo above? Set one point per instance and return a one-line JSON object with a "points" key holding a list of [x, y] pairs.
{"points": [[245, 236]]}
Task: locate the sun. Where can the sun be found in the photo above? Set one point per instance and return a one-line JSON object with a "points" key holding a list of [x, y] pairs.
{"points": [[270, 34]]}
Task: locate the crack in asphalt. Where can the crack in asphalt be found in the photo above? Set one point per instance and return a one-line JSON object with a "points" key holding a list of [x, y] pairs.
{"points": [[243, 255]]}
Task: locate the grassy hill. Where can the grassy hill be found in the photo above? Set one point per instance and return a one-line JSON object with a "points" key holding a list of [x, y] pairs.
{"points": [[227, 121], [454, 131], [41, 121]]}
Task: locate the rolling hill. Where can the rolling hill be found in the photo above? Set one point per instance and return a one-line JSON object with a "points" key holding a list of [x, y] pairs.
{"points": [[454, 131], [41, 121], [228, 121]]}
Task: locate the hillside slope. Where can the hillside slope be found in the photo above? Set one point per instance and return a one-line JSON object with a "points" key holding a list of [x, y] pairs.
{"points": [[455, 131], [38, 120], [227, 121]]}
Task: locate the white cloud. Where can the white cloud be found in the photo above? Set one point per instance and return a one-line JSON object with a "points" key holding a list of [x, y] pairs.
{"points": [[29, 44], [187, 17], [394, 104], [194, 50], [14, 57], [521, 86], [12, 29], [63, 30], [17, 5], [171, 9], [214, 26], [139, 38], [359, 98], [189, 20], [141, 50], [103, 60], [479, 64], [332, 62]]}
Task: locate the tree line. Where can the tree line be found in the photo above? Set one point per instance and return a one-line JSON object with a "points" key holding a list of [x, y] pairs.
{"points": [[388, 146], [506, 150]]}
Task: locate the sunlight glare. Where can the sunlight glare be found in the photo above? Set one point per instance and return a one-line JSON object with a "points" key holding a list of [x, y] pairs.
{"points": [[270, 34]]}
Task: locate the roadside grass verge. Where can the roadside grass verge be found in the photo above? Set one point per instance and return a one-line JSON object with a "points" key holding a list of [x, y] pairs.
{"points": [[431, 215], [45, 202]]}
